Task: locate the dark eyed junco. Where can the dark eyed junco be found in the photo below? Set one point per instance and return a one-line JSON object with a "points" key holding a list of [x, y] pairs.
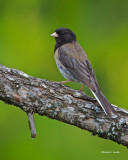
{"points": [[74, 65]]}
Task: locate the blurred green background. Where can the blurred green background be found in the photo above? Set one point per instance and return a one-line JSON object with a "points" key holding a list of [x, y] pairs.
{"points": [[102, 29]]}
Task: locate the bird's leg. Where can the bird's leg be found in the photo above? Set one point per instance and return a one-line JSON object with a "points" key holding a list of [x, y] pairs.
{"points": [[81, 90], [62, 82]]}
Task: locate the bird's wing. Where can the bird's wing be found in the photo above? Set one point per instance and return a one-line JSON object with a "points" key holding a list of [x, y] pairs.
{"points": [[76, 62]]}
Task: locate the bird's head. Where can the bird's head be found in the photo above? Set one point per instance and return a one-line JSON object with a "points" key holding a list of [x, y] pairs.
{"points": [[64, 35]]}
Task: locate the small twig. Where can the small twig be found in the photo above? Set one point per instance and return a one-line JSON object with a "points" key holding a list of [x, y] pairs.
{"points": [[31, 124]]}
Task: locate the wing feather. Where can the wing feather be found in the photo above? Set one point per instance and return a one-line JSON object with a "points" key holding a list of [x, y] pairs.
{"points": [[79, 68]]}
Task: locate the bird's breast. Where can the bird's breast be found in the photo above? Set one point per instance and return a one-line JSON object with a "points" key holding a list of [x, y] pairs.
{"points": [[63, 70], [60, 66]]}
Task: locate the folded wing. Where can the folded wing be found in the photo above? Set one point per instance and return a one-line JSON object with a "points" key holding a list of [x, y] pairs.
{"points": [[78, 66]]}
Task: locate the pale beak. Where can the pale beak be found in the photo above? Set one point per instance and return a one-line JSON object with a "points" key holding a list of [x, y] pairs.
{"points": [[54, 34]]}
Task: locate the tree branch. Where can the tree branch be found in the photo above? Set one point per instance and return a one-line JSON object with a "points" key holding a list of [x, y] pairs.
{"points": [[34, 95]]}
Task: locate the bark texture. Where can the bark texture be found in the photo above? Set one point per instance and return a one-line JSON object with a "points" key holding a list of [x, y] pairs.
{"points": [[34, 95]]}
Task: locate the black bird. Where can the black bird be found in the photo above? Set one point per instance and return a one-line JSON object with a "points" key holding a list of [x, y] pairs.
{"points": [[74, 65]]}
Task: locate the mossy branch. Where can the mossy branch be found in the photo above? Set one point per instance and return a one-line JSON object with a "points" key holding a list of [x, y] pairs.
{"points": [[34, 95]]}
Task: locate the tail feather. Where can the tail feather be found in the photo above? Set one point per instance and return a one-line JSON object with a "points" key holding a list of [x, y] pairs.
{"points": [[105, 104]]}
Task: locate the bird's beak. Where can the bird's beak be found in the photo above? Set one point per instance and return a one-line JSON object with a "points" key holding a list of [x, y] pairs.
{"points": [[54, 34]]}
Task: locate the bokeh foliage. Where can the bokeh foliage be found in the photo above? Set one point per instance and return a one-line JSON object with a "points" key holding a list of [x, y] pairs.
{"points": [[25, 43]]}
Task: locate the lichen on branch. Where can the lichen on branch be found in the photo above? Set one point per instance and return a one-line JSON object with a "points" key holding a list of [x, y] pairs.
{"points": [[34, 95]]}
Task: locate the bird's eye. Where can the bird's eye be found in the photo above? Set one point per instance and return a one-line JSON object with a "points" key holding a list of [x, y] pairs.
{"points": [[63, 33]]}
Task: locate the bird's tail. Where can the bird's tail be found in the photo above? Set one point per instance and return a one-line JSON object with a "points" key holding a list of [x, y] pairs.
{"points": [[105, 104]]}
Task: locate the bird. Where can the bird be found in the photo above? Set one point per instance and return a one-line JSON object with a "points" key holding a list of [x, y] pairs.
{"points": [[74, 65]]}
